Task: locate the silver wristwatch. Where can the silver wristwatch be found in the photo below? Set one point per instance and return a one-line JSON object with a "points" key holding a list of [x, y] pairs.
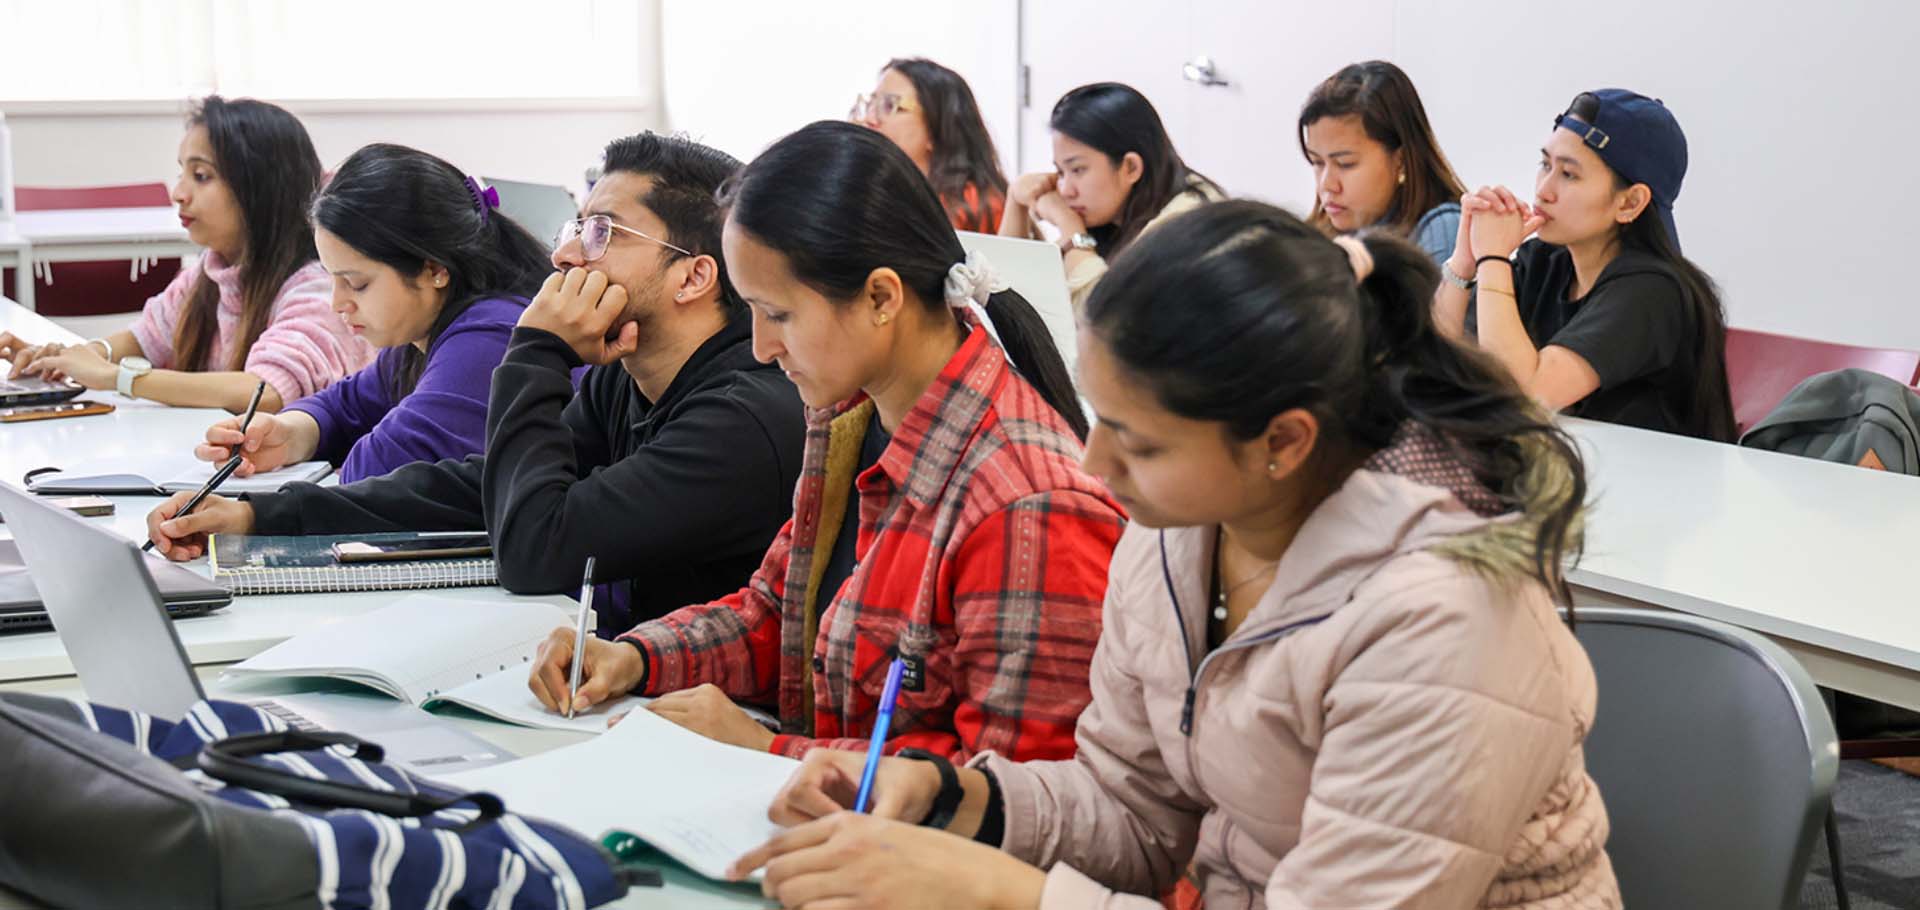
{"points": [[1465, 284], [1083, 241], [131, 368]]}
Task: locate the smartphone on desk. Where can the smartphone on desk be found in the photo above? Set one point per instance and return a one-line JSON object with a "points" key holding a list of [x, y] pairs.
{"points": [[453, 545], [53, 411]]}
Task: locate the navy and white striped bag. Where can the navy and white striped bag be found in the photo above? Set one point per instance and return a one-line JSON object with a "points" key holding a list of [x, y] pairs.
{"points": [[96, 811]]}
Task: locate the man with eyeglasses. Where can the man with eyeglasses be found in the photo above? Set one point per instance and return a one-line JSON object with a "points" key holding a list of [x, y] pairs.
{"points": [[674, 464]]}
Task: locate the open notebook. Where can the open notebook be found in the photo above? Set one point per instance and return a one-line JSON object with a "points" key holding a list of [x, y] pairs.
{"points": [[699, 801], [430, 650], [164, 475]]}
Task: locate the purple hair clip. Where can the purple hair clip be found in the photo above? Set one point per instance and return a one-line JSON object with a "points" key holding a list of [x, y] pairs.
{"points": [[485, 200]]}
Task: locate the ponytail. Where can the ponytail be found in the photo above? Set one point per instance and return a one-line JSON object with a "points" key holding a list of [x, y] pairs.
{"points": [[1274, 316], [839, 200]]}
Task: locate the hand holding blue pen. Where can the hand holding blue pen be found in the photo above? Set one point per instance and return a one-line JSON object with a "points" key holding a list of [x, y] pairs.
{"points": [[889, 699]]}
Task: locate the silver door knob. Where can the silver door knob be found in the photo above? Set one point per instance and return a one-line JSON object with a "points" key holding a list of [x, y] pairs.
{"points": [[1200, 70]]}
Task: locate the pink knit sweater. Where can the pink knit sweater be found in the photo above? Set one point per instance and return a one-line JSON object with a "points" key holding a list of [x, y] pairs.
{"points": [[305, 348]]}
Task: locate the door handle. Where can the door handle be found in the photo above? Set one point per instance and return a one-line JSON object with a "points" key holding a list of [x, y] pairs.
{"points": [[1200, 70]]}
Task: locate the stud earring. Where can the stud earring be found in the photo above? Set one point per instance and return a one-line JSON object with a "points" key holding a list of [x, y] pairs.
{"points": [[1273, 466], [680, 296], [1403, 177], [881, 318]]}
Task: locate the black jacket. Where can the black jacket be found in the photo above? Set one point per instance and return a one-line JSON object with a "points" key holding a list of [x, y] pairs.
{"points": [[680, 496]]}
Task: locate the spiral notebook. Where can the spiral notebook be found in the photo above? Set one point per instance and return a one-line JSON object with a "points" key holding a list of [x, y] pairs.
{"points": [[263, 564]]}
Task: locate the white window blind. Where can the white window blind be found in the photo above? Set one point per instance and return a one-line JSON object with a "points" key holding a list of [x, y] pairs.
{"points": [[108, 50]]}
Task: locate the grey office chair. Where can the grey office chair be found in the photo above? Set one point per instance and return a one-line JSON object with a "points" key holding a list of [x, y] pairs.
{"points": [[540, 208], [1715, 756]]}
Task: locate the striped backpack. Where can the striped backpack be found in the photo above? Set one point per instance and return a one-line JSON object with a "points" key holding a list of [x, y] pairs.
{"points": [[229, 808]]}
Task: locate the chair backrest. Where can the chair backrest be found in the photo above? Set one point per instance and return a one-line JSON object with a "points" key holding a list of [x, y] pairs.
{"points": [[540, 208], [1715, 756], [124, 196], [1763, 367]]}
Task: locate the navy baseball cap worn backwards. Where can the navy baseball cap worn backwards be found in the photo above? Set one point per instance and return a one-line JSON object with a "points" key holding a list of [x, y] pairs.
{"points": [[1638, 138]]}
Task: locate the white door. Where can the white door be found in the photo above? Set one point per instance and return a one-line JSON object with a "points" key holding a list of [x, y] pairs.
{"points": [[1237, 125]]}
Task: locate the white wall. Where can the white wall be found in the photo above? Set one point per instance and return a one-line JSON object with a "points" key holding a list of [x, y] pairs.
{"points": [[539, 146], [740, 74]]}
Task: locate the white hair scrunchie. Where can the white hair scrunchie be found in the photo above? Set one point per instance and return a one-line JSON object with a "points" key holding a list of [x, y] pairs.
{"points": [[1357, 256], [970, 283]]}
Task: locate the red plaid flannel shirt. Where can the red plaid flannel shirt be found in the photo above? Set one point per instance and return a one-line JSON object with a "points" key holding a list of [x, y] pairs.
{"points": [[983, 552]]}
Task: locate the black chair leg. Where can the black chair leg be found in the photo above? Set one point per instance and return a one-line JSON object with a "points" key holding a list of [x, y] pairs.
{"points": [[1833, 861]]}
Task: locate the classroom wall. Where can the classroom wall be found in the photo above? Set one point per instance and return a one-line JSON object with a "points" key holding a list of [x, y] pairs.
{"points": [[782, 66], [540, 146]]}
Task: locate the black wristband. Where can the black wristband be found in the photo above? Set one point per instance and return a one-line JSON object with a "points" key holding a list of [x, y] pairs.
{"points": [[947, 802], [645, 668], [1485, 259], [993, 821]]}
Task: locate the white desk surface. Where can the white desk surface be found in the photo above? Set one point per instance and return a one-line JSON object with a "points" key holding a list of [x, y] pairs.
{"points": [[31, 325], [1810, 552], [10, 237], [145, 224]]}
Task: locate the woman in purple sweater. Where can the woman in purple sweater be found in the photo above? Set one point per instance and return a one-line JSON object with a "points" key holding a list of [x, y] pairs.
{"points": [[425, 269]]}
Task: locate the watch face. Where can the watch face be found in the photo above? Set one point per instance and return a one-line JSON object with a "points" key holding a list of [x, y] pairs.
{"points": [[137, 364]]}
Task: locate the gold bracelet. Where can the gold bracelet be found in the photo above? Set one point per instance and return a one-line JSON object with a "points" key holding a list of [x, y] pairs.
{"points": [[1487, 290]]}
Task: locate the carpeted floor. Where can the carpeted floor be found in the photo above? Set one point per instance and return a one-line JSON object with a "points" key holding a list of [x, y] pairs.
{"points": [[1879, 816]]}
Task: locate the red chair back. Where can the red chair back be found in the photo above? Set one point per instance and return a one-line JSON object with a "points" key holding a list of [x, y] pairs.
{"points": [[1763, 367], [94, 288], [131, 195]]}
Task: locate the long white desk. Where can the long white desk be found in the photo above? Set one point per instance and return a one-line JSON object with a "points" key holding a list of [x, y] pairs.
{"points": [[136, 234], [36, 662], [1810, 553]]}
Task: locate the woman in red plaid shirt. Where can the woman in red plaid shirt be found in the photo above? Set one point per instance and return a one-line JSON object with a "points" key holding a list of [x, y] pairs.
{"points": [[941, 514]]}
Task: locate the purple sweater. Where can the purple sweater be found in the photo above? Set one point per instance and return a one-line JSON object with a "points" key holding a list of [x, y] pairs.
{"points": [[367, 434]]}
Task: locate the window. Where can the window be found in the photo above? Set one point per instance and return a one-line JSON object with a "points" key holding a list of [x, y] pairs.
{"points": [[294, 50]]}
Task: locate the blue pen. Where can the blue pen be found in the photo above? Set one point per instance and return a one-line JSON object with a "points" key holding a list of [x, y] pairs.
{"points": [[889, 698]]}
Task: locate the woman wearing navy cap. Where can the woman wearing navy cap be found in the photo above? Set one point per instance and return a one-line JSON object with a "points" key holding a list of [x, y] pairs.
{"points": [[1599, 315]]}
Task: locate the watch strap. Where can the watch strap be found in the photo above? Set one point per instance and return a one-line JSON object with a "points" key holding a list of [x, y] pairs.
{"points": [[947, 803]]}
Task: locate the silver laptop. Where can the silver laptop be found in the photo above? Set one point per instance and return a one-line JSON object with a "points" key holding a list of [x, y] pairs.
{"points": [[109, 615], [1033, 268]]}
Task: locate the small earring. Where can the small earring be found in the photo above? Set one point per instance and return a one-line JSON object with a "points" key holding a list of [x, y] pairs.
{"points": [[440, 282], [881, 318], [680, 296], [1403, 177], [1273, 466]]}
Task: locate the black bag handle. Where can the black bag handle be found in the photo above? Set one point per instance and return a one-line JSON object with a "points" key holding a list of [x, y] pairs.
{"points": [[226, 760]]}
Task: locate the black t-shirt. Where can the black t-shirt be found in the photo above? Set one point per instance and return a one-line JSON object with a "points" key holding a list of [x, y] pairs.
{"points": [[841, 562], [1634, 327]]}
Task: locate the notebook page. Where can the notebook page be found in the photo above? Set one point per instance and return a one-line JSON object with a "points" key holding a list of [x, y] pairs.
{"points": [[419, 645], [504, 696], [701, 802]]}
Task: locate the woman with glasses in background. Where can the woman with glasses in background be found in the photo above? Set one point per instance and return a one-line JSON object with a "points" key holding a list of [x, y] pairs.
{"points": [[423, 268], [929, 112]]}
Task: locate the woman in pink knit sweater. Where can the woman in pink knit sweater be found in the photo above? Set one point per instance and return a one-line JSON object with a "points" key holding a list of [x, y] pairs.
{"points": [[257, 306]]}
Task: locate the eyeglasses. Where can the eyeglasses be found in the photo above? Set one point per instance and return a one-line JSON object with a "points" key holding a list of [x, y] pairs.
{"points": [[595, 232], [879, 107]]}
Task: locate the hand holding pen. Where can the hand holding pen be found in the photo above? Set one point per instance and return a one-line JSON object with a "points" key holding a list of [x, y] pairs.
{"points": [[226, 470]]}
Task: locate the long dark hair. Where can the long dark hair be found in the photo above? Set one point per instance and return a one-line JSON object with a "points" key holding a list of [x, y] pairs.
{"points": [[1389, 108], [404, 208], [1710, 401], [1117, 119], [963, 152], [839, 200], [265, 156], [1283, 325]]}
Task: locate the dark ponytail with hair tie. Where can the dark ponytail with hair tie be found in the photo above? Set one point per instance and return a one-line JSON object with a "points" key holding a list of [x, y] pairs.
{"points": [[1238, 311]]}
